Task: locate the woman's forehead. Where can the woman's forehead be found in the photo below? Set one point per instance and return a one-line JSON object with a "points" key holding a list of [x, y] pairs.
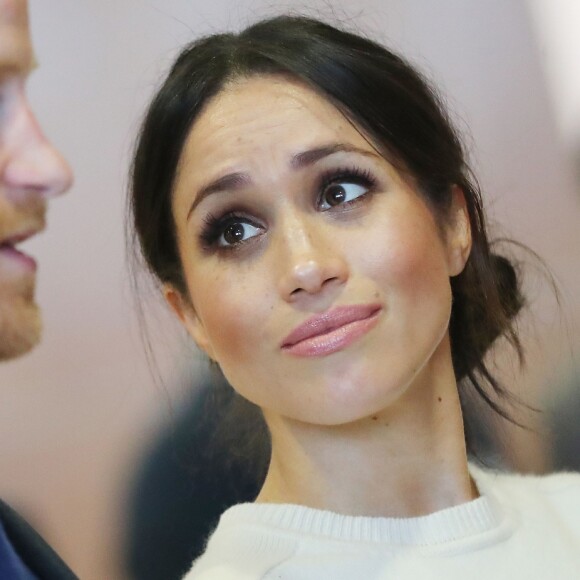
{"points": [[267, 114]]}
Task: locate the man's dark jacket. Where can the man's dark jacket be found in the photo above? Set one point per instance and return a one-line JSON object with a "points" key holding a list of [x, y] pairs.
{"points": [[34, 552]]}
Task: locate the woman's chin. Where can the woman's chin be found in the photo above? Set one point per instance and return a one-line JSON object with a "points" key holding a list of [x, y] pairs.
{"points": [[343, 403]]}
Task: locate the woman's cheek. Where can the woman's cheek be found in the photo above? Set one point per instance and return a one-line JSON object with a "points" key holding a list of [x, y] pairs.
{"points": [[232, 315], [395, 256], [408, 264]]}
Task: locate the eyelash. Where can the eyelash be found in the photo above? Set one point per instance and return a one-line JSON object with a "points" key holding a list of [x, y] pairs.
{"points": [[358, 176], [215, 225]]}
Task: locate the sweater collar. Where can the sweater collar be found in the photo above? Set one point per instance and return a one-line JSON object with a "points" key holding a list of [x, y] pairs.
{"points": [[458, 522]]}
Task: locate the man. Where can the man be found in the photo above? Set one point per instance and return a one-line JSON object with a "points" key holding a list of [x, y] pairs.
{"points": [[31, 172]]}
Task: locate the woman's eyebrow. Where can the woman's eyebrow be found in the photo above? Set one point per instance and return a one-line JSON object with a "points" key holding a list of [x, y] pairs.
{"points": [[238, 180], [305, 158], [231, 181]]}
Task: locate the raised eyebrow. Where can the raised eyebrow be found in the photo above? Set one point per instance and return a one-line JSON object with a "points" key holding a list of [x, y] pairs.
{"points": [[311, 156], [15, 68], [231, 181], [237, 180]]}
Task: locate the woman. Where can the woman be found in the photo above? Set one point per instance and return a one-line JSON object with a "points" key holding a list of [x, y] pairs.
{"points": [[305, 203]]}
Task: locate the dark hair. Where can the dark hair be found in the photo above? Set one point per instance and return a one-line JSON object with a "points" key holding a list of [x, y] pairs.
{"points": [[389, 102]]}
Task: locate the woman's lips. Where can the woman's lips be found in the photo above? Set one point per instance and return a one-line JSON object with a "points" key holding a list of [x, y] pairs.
{"points": [[332, 331]]}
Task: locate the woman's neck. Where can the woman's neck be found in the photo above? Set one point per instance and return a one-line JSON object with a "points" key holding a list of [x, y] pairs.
{"points": [[406, 461]]}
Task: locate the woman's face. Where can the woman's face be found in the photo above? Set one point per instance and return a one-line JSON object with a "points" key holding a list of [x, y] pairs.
{"points": [[318, 277]]}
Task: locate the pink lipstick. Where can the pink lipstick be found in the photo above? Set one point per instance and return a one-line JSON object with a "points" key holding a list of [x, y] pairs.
{"points": [[332, 331]]}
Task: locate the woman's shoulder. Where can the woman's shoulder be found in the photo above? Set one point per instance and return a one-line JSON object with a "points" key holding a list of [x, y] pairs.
{"points": [[241, 548], [555, 491], [560, 482]]}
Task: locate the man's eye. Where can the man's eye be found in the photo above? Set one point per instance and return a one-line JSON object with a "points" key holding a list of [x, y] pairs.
{"points": [[340, 193], [236, 233]]}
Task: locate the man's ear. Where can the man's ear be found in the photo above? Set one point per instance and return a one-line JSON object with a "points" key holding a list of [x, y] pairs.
{"points": [[458, 232], [186, 314]]}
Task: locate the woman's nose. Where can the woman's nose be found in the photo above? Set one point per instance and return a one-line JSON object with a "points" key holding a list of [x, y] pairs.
{"points": [[310, 263]]}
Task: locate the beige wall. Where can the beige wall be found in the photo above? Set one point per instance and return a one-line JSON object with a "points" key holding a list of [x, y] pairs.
{"points": [[76, 413], [556, 25]]}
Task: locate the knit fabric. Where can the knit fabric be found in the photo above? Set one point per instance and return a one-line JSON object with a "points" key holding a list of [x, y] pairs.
{"points": [[521, 527]]}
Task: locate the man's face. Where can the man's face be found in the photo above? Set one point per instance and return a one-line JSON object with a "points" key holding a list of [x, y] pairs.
{"points": [[31, 171]]}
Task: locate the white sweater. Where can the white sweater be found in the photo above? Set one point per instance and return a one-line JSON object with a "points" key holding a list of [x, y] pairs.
{"points": [[521, 527]]}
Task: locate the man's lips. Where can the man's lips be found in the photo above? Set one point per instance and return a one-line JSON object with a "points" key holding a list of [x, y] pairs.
{"points": [[9, 250], [19, 237], [323, 324]]}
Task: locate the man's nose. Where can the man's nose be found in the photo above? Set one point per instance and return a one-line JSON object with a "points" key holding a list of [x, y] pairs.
{"points": [[32, 164]]}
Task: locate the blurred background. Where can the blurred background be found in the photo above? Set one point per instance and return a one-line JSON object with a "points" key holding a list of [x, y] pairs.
{"points": [[80, 414]]}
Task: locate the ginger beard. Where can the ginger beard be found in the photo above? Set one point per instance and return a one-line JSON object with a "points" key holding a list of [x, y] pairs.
{"points": [[20, 321]]}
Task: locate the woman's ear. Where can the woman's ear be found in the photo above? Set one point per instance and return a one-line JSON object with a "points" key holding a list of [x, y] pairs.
{"points": [[186, 314], [458, 232]]}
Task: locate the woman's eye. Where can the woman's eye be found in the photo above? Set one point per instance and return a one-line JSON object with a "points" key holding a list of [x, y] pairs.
{"points": [[237, 232], [340, 193]]}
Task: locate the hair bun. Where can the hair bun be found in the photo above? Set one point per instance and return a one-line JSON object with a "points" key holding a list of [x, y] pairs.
{"points": [[508, 285]]}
